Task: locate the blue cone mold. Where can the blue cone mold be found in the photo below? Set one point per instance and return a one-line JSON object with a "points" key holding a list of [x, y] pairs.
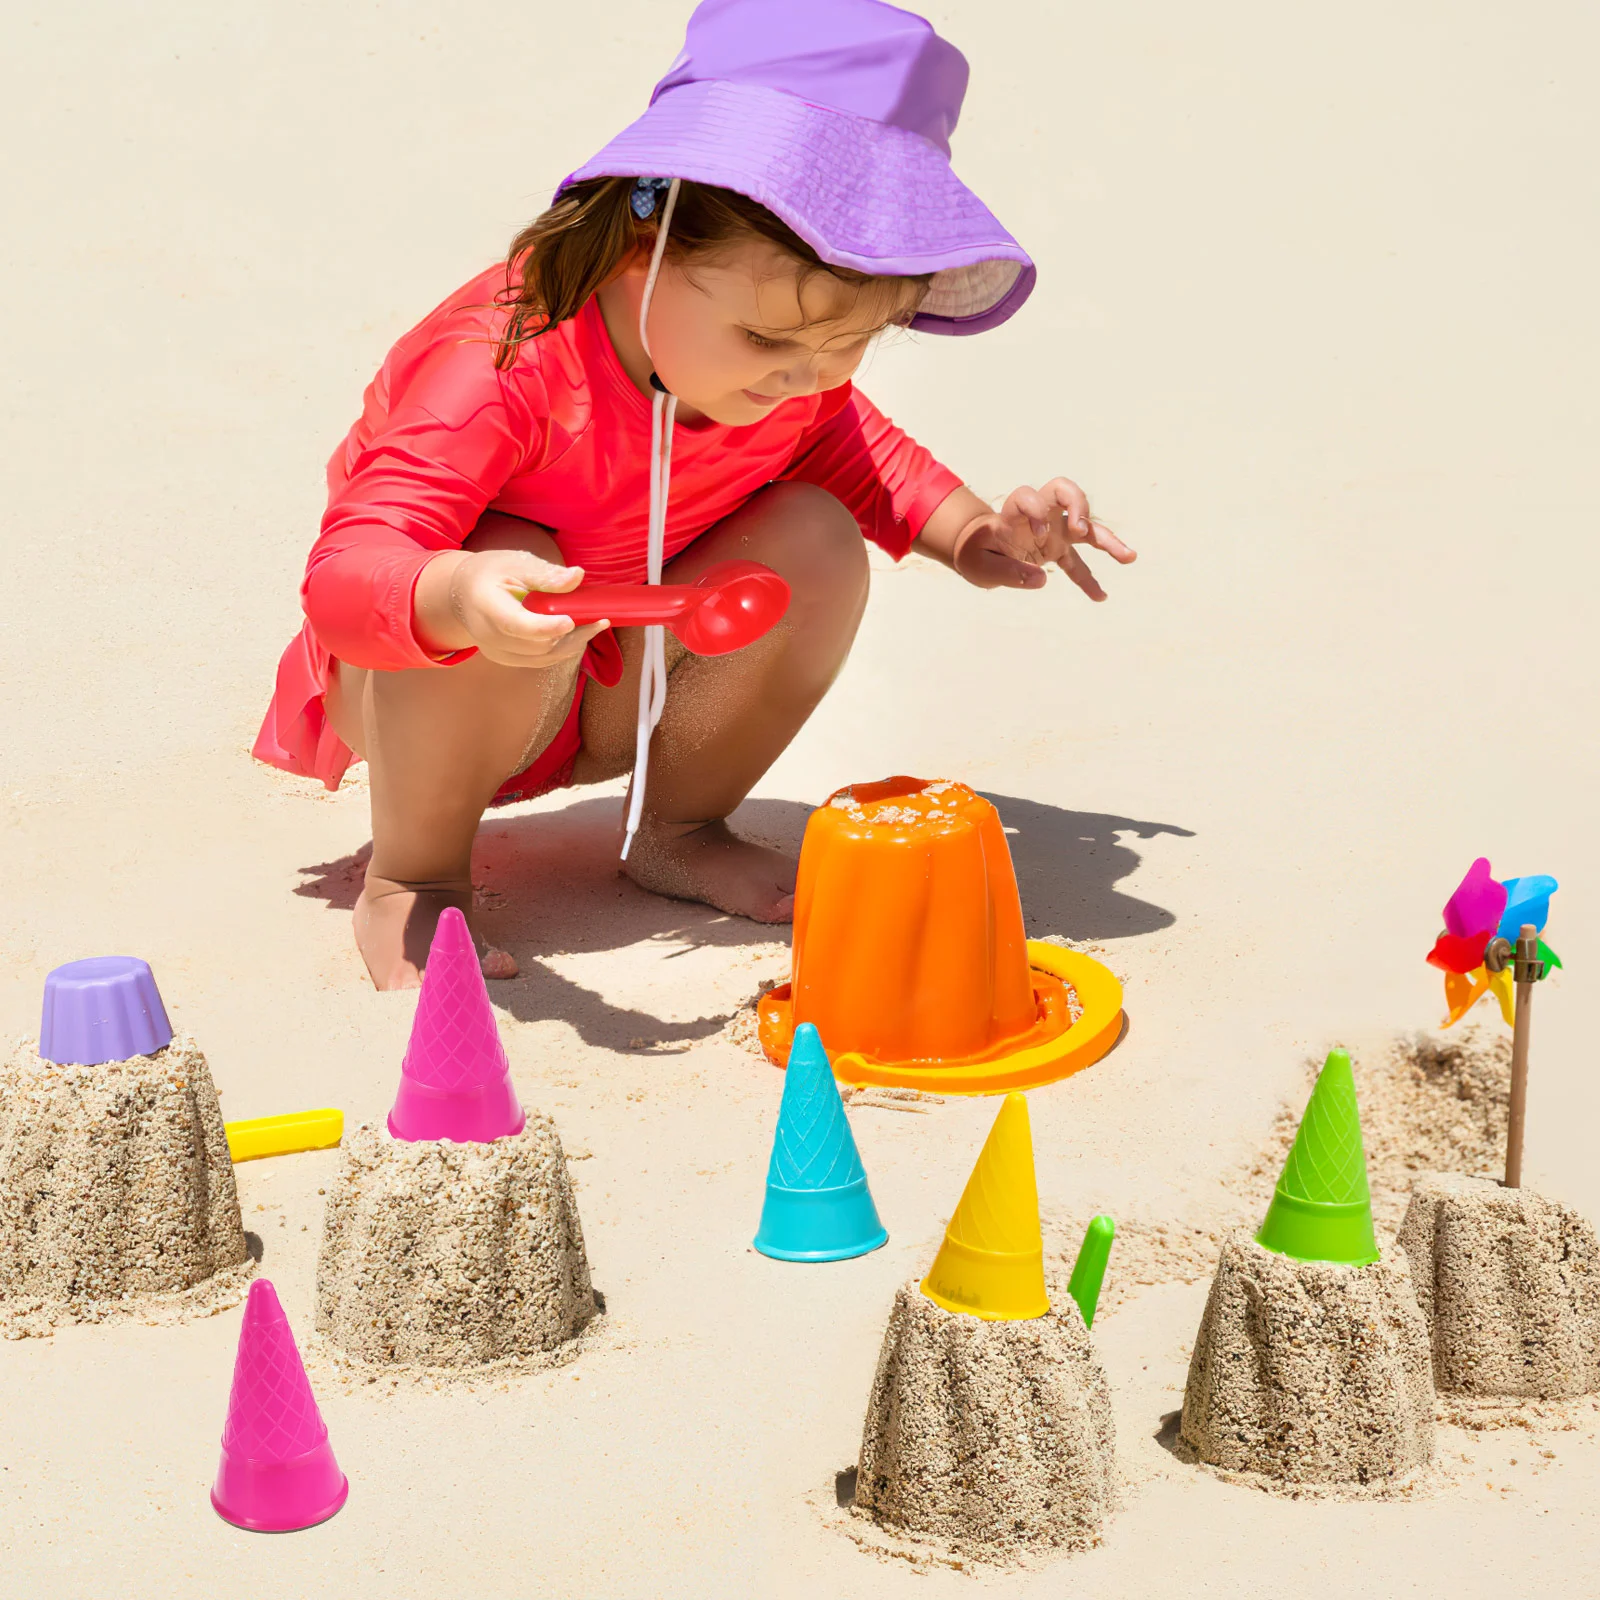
{"points": [[818, 1206]]}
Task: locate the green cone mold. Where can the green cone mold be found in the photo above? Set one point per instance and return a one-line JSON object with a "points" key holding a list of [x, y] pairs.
{"points": [[1322, 1207]]}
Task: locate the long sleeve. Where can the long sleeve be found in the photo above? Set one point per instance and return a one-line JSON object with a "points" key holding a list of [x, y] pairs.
{"points": [[889, 483], [446, 431]]}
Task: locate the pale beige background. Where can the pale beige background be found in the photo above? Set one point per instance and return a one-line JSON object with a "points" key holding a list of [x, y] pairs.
{"points": [[1316, 328]]}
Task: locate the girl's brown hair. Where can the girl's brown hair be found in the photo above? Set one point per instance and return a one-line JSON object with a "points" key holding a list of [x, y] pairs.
{"points": [[588, 235]]}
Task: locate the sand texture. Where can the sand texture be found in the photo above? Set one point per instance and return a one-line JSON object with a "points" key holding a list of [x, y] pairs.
{"points": [[436, 1254], [1429, 1102], [1310, 1372], [993, 1440], [1509, 1283], [116, 1191]]}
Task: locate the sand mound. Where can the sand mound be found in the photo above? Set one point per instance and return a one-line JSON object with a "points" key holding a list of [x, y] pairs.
{"points": [[116, 1192], [1509, 1283], [1428, 1104], [1309, 1372], [436, 1254], [993, 1440]]}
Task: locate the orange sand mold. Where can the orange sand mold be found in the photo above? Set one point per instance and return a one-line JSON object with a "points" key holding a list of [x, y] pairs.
{"points": [[910, 957]]}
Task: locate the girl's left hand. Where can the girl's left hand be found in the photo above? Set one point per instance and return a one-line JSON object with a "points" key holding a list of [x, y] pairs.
{"points": [[1009, 548]]}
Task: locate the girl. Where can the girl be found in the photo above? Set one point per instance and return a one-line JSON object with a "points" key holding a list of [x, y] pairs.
{"points": [[657, 380]]}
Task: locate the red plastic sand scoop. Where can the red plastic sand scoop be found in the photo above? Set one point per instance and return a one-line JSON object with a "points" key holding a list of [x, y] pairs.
{"points": [[729, 606]]}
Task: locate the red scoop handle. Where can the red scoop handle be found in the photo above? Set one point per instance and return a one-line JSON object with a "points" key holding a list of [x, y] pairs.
{"points": [[731, 605], [628, 605]]}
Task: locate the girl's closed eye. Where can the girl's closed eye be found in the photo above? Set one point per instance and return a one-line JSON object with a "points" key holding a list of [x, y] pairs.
{"points": [[761, 342]]}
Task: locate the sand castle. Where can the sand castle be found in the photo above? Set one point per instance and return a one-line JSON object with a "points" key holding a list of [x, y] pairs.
{"points": [[116, 1189], [439, 1254], [1311, 1365], [989, 1429], [1509, 1283], [451, 1238]]}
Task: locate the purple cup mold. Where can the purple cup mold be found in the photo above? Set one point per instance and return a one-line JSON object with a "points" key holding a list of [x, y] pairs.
{"points": [[104, 1009]]}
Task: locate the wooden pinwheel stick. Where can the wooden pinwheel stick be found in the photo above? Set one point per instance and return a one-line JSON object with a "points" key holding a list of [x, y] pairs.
{"points": [[1527, 970]]}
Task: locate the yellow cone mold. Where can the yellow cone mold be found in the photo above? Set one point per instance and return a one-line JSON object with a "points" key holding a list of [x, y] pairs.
{"points": [[991, 1264]]}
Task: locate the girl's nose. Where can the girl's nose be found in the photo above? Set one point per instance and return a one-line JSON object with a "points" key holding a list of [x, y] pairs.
{"points": [[800, 377]]}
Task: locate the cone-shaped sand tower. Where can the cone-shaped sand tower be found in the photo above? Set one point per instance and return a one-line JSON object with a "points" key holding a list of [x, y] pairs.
{"points": [[116, 1189], [910, 956], [453, 1244], [277, 1471], [818, 1205], [1311, 1364], [989, 1433], [1509, 1283]]}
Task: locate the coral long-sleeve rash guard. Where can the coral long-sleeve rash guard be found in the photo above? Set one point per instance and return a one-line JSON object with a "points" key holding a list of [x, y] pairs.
{"points": [[561, 437]]}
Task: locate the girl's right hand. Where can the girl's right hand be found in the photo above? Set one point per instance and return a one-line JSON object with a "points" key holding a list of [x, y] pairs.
{"points": [[473, 599]]}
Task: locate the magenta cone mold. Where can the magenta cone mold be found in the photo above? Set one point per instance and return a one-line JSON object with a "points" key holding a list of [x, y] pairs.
{"points": [[455, 1082], [277, 1472], [104, 1009]]}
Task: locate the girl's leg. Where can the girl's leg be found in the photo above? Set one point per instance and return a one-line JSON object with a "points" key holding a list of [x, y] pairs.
{"points": [[728, 718], [438, 743]]}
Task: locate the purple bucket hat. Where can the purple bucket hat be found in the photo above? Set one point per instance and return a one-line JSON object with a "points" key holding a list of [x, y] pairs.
{"points": [[836, 116]]}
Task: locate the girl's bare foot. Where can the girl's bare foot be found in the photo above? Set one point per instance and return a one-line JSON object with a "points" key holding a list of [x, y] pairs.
{"points": [[710, 863], [394, 926]]}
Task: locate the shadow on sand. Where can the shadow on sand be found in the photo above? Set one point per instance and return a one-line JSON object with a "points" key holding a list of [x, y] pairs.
{"points": [[549, 886], [1069, 864]]}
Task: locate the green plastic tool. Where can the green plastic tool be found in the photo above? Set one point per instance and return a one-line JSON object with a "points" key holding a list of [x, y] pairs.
{"points": [[1089, 1270]]}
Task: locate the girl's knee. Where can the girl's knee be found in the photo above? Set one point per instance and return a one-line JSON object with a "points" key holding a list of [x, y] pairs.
{"points": [[496, 530], [453, 730], [814, 541]]}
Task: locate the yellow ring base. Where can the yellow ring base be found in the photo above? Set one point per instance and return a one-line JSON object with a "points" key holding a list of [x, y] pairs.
{"points": [[1080, 1045]]}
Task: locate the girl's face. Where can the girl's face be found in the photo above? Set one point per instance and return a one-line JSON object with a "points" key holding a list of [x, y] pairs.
{"points": [[735, 334]]}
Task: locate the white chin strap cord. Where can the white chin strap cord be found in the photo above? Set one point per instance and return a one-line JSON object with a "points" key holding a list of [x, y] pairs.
{"points": [[653, 668]]}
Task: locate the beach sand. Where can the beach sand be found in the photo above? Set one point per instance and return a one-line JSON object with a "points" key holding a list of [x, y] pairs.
{"points": [[1509, 1284], [985, 1440], [1316, 329], [117, 1194], [1310, 1374], [444, 1255]]}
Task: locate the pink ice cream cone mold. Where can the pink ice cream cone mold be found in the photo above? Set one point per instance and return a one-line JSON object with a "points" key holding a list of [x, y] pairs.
{"points": [[455, 1082], [277, 1471]]}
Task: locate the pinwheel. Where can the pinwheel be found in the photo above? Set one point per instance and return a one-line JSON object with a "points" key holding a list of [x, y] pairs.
{"points": [[1491, 942], [1478, 914]]}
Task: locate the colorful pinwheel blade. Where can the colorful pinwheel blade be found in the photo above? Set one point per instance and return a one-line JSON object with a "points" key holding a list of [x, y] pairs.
{"points": [[1479, 902], [1462, 993], [1451, 953], [1502, 985], [1527, 900]]}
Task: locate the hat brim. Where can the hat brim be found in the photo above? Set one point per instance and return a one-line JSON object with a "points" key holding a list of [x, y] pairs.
{"points": [[864, 195]]}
